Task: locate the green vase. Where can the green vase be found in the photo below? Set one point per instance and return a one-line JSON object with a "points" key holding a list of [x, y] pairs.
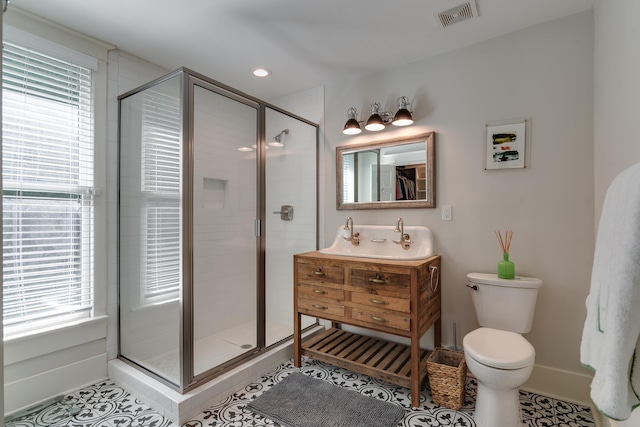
{"points": [[506, 269]]}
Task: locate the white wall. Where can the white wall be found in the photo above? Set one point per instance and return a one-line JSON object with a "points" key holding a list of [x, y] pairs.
{"points": [[545, 73], [617, 91]]}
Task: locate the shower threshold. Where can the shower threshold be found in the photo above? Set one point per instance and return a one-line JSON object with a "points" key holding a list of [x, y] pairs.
{"points": [[179, 408]]}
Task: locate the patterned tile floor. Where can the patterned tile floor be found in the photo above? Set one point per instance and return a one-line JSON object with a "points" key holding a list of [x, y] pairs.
{"points": [[101, 405], [106, 405]]}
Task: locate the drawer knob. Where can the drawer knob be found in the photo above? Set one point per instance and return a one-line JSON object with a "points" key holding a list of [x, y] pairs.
{"points": [[319, 272], [379, 279], [318, 291], [379, 302], [319, 307], [379, 319]]}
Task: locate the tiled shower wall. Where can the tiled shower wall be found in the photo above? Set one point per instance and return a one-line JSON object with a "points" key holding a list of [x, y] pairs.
{"points": [[290, 180]]}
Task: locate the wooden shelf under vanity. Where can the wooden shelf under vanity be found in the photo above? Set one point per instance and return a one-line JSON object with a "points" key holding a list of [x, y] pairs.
{"points": [[377, 358], [396, 297]]}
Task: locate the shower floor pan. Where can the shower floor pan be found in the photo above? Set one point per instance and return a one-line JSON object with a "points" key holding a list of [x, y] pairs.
{"points": [[215, 349]]}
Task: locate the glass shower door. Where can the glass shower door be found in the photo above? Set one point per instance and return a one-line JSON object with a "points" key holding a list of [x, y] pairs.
{"points": [[224, 241]]}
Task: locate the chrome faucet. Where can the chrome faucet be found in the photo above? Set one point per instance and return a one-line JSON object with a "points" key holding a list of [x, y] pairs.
{"points": [[405, 239], [354, 238]]}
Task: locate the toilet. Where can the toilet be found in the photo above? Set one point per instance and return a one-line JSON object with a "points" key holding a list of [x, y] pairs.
{"points": [[499, 357]]}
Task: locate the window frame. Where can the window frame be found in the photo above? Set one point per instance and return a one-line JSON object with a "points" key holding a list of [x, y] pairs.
{"points": [[82, 192]]}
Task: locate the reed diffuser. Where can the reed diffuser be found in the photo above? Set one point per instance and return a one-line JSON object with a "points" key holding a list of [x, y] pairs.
{"points": [[506, 268]]}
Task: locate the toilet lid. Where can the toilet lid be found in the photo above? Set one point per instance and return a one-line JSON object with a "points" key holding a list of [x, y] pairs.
{"points": [[499, 349]]}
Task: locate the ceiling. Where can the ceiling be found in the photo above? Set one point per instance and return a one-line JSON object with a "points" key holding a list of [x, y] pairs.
{"points": [[306, 44]]}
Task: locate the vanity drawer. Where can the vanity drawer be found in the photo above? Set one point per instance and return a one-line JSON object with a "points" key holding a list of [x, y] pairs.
{"points": [[321, 293], [381, 301], [318, 273], [319, 308], [382, 283], [381, 318]]}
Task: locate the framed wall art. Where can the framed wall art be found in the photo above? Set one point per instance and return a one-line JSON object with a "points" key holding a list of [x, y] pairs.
{"points": [[505, 144]]}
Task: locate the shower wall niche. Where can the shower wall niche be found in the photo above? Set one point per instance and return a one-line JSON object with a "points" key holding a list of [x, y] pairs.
{"points": [[205, 266]]}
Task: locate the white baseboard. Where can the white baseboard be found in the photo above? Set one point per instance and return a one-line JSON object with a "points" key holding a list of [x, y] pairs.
{"points": [[30, 391], [560, 384]]}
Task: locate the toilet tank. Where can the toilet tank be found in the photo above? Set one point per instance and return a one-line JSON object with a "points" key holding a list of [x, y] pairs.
{"points": [[505, 304]]}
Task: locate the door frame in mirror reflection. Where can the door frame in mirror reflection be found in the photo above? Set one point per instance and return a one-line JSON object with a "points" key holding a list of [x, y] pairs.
{"points": [[425, 190]]}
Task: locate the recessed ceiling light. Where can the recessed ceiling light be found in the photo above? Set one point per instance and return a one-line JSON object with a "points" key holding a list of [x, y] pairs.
{"points": [[261, 72]]}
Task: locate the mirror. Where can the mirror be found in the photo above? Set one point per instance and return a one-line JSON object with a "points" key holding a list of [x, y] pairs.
{"points": [[397, 173]]}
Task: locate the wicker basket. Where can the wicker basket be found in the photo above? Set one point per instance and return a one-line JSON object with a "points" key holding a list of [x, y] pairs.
{"points": [[447, 371]]}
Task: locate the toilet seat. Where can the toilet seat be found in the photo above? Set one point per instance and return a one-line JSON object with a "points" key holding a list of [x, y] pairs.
{"points": [[499, 349]]}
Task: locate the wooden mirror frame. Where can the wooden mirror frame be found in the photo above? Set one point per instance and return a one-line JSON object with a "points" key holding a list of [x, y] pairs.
{"points": [[430, 201]]}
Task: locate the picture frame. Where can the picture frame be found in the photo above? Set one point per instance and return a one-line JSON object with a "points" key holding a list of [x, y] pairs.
{"points": [[506, 144]]}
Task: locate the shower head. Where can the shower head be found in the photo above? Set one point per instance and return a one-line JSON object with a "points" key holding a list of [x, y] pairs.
{"points": [[277, 140]]}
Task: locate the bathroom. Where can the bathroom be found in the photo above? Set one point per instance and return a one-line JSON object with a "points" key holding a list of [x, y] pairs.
{"points": [[563, 74]]}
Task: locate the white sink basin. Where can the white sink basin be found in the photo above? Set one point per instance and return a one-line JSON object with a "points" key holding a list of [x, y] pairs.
{"points": [[376, 241]]}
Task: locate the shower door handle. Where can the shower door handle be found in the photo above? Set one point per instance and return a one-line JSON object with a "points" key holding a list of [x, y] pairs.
{"points": [[285, 212]]}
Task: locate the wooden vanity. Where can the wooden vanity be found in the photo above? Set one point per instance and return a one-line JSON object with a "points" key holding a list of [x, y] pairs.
{"points": [[397, 297]]}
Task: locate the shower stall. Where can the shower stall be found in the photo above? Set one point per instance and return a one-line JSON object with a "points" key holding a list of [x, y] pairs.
{"points": [[217, 191]]}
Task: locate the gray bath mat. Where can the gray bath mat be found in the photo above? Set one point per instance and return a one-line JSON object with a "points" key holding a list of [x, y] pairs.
{"points": [[302, 401]]}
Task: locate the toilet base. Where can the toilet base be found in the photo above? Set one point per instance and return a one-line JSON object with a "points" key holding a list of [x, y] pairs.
{"points": [[497, 407]]}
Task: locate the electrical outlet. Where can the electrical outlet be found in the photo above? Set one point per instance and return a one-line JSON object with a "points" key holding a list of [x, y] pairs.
{"points": [[446, 212]]}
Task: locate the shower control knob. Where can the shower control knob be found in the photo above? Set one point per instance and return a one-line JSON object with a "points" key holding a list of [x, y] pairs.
{"points": [[285, 212]]}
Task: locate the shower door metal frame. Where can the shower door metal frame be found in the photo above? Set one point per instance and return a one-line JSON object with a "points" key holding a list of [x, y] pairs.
{"points": [[190, 79], [188, 378]]}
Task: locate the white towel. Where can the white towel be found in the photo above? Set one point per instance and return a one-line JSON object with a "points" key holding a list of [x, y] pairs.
{"points": [[610, 344]]}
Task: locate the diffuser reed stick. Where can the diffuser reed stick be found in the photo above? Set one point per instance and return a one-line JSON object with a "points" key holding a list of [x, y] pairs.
{"points": [[506, 268], [505, 243]]}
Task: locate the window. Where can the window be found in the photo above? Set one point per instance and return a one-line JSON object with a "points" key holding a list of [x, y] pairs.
{"points": [[47, 190], [161, 193]]}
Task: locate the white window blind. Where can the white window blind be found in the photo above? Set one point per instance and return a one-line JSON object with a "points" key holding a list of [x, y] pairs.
{"points": [[161, 165], [47, 189]]}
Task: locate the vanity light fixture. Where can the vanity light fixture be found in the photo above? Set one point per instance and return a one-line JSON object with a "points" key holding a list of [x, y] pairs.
{"points": [[378, 120], [352, 127], [375, 121], [403, 116]]}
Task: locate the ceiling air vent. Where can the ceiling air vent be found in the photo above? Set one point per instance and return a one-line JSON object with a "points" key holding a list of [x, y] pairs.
{"points": [[456, 14]]}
